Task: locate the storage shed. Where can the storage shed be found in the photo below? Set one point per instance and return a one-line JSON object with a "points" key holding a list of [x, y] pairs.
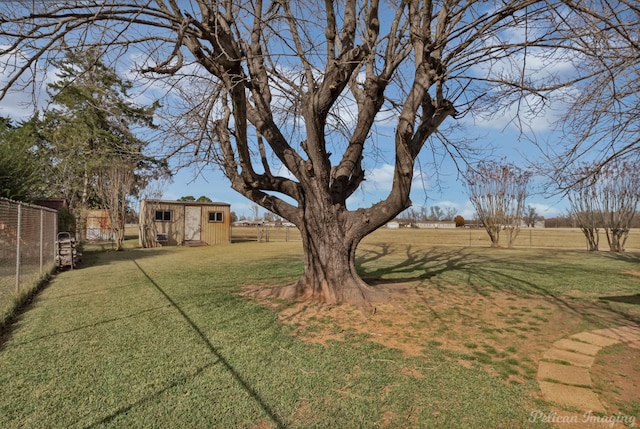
{"points": [[184, 223]]}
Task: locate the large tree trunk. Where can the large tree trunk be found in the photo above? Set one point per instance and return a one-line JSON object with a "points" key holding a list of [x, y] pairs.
{"points": [[494, 235], [330, 273], [329, 268], [84, 209]]}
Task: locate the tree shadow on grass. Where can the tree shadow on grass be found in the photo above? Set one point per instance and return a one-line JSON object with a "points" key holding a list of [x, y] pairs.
{"points": [[627, 299], [220, 358], [496, 270], [89, 259], [108, 257], [175, 383], [88, 326]]}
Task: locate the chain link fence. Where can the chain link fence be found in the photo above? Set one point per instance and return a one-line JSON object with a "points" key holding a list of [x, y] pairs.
{"points": [[264, 233], [27, 249], [555, 238]]}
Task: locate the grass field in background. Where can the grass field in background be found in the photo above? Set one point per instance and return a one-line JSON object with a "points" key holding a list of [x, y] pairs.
{"points": [[569, 238], [163, 338]]}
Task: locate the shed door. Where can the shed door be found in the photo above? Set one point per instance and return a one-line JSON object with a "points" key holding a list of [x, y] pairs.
{"points": [[192, 223]]}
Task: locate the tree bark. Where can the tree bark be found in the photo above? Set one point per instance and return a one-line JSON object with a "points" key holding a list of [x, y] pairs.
{"points": [[592, 236], [616, 239], [330, 273], [84, 208]]}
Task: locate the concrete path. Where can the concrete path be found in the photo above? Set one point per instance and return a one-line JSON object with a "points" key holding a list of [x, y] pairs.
{"points": [[563, 373]]}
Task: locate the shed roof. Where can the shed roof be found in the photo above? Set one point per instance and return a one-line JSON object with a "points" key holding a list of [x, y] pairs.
{"points": [[188, 203]]}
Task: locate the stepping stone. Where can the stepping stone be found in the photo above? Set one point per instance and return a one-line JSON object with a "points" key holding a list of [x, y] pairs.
{"points": [[623, 334], [566, 387], [564, 374], [576, 346], [596, 340], [572, 396], [576, 359]]}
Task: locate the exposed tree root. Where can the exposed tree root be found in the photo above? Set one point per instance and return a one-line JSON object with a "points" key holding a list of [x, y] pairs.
{"points": [[364, 297]]}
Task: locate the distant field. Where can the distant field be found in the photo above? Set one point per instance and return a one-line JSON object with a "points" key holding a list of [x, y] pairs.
{"points": [[569, 238]]}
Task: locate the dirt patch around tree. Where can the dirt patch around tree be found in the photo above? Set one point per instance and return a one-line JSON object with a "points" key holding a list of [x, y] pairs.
{"points": [[505, 332]]}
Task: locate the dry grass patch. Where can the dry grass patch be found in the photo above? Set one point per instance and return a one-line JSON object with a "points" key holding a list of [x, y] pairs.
{"points": [[506, 333]]}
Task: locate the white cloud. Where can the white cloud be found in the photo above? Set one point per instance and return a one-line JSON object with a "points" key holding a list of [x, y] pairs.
{"points": [[467, 210], [381, 178]]}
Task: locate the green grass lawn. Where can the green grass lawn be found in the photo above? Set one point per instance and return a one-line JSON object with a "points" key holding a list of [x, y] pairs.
{"points": [[163, 338]]}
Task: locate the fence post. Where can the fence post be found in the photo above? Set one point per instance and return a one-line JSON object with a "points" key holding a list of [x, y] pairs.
{"points": [[18, 250], [55, 236], [530, 240], [41, 240]]}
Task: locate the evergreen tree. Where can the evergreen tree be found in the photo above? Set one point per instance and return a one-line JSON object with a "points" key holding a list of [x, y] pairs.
{"points": [[22, 164], [90, 130]]}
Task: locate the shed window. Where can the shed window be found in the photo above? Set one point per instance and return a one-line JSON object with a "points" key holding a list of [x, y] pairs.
{"points": [[163, 215], [215, 217]]}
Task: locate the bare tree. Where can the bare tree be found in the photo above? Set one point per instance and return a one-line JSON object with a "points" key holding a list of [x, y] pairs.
{"points": [[530, 216], [438, 213], [152, 194], [284, 96], [608, 200], [255, 210], [582, 197], [602, 121], [435, 213], [114, 185], [449, 213], [409, 216], [618, 190], [498, 191]]}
